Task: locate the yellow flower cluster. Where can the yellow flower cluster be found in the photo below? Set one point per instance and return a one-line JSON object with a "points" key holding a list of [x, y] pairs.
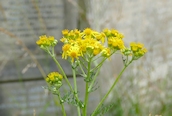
{"points": [[138, 49], [54, 78], [45, 41], [91, 43]]}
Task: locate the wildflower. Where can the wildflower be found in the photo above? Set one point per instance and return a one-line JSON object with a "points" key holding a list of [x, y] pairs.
{"points": [[65, 49], [91, 43], [114, 32], [101, 37], [45, 41], [106, 52], [87, 31], [54, 79], [137, 49], [126, 52], [71, 34], [120, 35], [107, 32], [77, 32], [74, 52], [115, 43], [64, 40], [97, 48], [91, 46], [65, 32]]}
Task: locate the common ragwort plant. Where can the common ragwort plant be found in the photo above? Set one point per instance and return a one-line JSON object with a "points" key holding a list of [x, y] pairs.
{"points": [[86, 51]]}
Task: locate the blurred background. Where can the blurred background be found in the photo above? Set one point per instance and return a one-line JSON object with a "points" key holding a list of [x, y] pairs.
{"points": [[144, 88]]}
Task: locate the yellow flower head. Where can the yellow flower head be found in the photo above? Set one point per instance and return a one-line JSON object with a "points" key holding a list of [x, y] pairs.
{"points": [[72, 34], [107, 32], [65, 32], [45, 41], [88, 44], [114, 32], [77, 32], [65, 49], [91, 46], [74, 52], [115, 43], [138, 49], [87, 31], [54, 78], [101, 37], [106, 52]]}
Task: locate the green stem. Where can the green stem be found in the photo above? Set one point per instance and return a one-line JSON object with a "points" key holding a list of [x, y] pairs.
{"points": [[82, 62], [94, 79], [65, 77], [62, 71], [75, 89], [99, 65], [106, 95], [61, 104], [97, 72], [86, 100], [86, 89], [82, 70]]}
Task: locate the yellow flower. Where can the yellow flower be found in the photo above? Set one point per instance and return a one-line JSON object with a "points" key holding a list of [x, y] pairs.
{"points": [[91, 43], [91, 46], [140, 45], [115, 43], [65, 49], [51, 38], [77, 32], [134, 46], [39, 42], [72, 34], [101, 37], [65, 32], [138, 49], [64, 40], [127, 51], [87, 31], [74, 52], [54, 77], [120, 35], [107, 32], [96, 51], [45, 41], [106, 52], [114, 32]]}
